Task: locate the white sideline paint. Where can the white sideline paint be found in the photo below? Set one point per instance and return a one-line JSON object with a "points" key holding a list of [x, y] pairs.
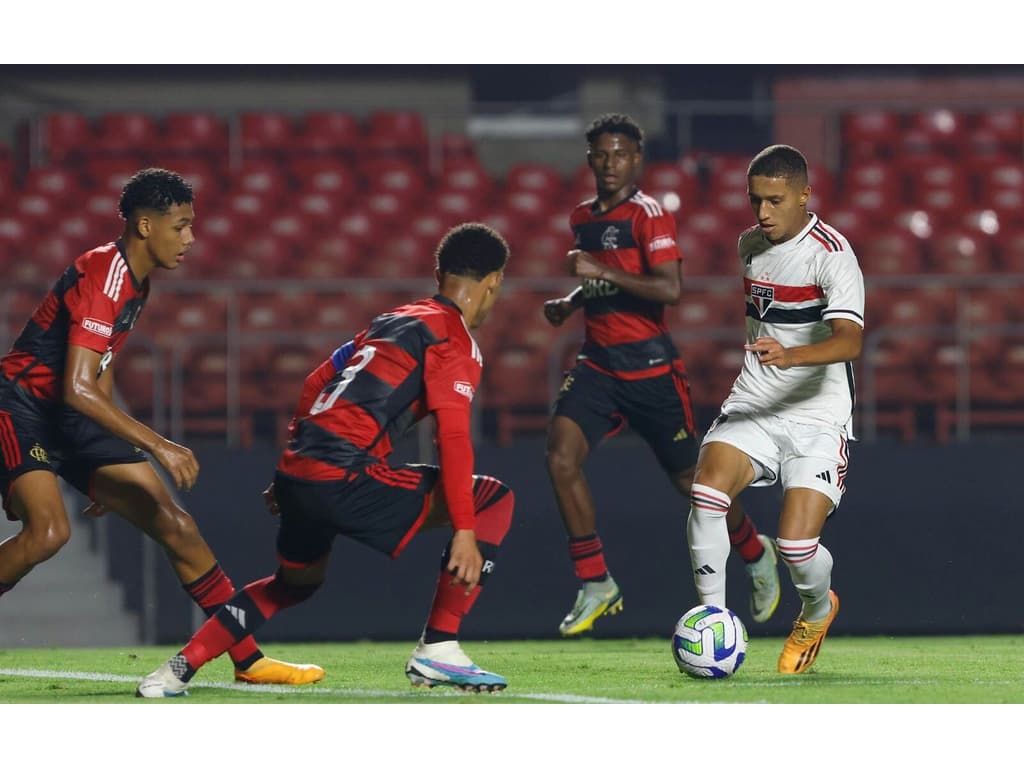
{"points": [[316, 690]]}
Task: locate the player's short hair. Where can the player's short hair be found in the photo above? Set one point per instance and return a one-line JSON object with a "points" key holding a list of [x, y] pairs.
{"points": [[614, 122], [153, 188], [780, 161], [471, 250]]}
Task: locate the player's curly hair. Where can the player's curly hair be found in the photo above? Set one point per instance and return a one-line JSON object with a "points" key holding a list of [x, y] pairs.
{"points": [[472, 250], [780, 161], [153, 188], [614, 122]]}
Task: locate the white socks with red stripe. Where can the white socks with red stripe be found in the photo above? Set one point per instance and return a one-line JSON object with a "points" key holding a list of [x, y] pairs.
{"points": [[810, 567], [708, 538]]}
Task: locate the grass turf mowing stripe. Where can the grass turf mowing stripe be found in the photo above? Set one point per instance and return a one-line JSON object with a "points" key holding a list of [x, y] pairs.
{"points": [[314, 690]]}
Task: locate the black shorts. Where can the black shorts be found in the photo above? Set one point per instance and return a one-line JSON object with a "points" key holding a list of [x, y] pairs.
{"points": [[381, 506], [50, 436], [657, 408]]}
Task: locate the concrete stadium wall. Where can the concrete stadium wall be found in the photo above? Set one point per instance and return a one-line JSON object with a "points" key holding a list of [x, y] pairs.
{"points": [[926, 541]]}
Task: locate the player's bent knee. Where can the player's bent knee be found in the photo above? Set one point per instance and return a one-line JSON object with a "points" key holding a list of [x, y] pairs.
{"points": [[175, 528], [44, 541]]}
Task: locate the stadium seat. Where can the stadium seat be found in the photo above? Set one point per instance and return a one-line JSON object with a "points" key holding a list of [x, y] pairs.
{"points": [[265, 134], [319, 209], [195, 135], [67, 137], [960, 251], [397, 133], [528, 206], [872, 187], [329, 257], [324, 176], [56, 182], [399, 257], [455, 207], [851, 223], [189, 317], [329, 133], [727, 173], [890, 252], [456, 146], [701, 255], [675, 177], [536, 178], [259, 256], [466, 175], [110, 174], [139, 371], [359, 226], [126, 133], [542, 255], [1009, 250], [946, 129], [262, 177], [395, 176], [822, 186], [16, 229], [941, 187], [1005, 125], [39, 209], [205, 176], [869, 135]]}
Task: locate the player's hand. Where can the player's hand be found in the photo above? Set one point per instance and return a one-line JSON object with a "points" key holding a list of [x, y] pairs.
{"points": [[557, 310], [95, 510], [270, 500], [179, 463], [582, 264], [770, 352], [465, 561]]}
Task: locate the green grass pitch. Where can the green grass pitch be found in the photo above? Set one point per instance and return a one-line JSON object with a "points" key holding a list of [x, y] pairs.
{"points": [[875, 670]]}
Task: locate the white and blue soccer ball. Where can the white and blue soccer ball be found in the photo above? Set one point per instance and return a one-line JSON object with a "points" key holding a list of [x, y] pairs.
{"points": [[709, 641]]}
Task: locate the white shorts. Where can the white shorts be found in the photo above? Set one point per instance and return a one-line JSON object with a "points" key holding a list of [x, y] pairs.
{"points": [[804, 455]]}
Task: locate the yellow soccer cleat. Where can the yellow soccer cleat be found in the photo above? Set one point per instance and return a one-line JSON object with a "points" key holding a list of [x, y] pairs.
{"points": [[594, 600], [268, 671], [804, 642]]}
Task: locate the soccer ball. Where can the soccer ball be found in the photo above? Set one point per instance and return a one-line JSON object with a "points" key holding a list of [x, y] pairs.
{"points": [[709, 641]]}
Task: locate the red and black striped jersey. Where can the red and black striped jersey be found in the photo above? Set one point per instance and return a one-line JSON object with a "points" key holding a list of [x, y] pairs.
{"points": [[626, 336], [94, 304], [413, 360]]}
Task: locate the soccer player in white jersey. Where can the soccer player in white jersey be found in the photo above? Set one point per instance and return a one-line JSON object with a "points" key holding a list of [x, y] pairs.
{"points": [[788, 415]]}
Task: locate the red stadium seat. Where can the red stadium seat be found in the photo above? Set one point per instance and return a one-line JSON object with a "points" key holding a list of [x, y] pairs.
{"points": [[259, 256], [542, 255], [139, 370], [359, 226], [110, 174], [851, 223], [36, 208], [324, 176], [329, 257], [84, 230], [206, 178], [58, 183], [512, 226], [336, 133], [126, 133], [401, 256], [1005, 125], [822, 188], [265, 134], [728, 173], [250, 209], [271, 312], [701, 255], [675, 177], [529, 206], [890, 252], [320, 209], [536, 178], [870, 135], [960, 251], [941, 187], [195, 134], [456, 146], [16, 229], [456, 207], [395, 176], [67, 136], [264, 178], [397, 132], [946, 129], [1009, 250], [466, 175], [581, 184]]}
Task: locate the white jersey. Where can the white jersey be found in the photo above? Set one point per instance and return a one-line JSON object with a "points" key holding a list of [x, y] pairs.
{"points": [[792, 289]]}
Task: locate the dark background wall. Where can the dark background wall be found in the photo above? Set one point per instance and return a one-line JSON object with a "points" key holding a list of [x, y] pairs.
{"points": [[927, 541]]}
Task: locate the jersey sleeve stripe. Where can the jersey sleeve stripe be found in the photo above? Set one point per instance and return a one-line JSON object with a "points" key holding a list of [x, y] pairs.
{"points": [[111, 273], [828, 247]]}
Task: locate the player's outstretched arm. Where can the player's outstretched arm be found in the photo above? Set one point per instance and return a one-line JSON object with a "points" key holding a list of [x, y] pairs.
{"points": [[84, 392]]}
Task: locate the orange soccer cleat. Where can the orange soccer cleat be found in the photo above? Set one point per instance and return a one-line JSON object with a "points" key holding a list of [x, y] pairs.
{"points": [[804, 642], [268, 671]]}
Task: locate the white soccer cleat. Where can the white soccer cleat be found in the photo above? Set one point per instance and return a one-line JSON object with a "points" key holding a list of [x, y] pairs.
{"points": [[160, 684], [763, 575], [446, 663]]}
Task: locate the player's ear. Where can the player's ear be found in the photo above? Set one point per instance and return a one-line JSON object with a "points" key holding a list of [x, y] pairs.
{"points": [[143, 227], [805, 195]]}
